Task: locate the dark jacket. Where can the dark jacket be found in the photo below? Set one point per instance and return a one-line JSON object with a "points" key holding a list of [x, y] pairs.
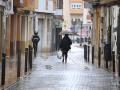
{"points": [[35, 40], [65, 44]]}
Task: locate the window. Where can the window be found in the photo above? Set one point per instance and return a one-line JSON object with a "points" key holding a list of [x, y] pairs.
{"points": [[76, 5], [60, 4], [21, 1], [78, 20]]}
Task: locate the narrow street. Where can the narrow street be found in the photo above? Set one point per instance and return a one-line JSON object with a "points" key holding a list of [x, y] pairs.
{"points": [[52, 74]]}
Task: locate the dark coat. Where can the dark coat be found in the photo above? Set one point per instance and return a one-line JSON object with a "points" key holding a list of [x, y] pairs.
{"points": [[65, 44], [35, 40]]}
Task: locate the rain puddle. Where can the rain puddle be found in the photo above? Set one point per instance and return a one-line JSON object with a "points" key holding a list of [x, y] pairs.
{"points": [[49, 67], [86, 68]]}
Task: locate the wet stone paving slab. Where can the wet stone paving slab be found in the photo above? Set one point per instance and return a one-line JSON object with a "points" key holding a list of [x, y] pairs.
{"points": [[52, 74]]}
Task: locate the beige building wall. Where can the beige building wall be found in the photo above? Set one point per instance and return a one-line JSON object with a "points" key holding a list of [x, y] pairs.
{"points": [[66, 14], [76, 11]]}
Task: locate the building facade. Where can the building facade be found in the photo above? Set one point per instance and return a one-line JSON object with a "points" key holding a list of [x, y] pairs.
{"points": [[44, 24], [16, 31], [76, 11], [66, 14], [19, 20], [58, 23], [80, 20], [105, 34]]}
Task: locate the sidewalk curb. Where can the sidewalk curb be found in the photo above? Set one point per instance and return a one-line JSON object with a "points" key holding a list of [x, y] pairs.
{"points": [[20, 78]]}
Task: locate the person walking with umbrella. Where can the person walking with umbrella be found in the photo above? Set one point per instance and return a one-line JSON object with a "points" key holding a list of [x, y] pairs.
{"points": [[65, 46]]}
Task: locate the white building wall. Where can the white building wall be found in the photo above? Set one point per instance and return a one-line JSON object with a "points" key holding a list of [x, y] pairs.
{"points": [[41, 6], [43, 24], [115, 12], [9, 7], [85, 12], [66, 14], [40, 33], [44, 28], [2, 3], [50, 6], [36, 23]]}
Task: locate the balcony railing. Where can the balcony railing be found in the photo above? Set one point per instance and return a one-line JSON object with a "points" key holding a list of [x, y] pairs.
{"points": [[102, 2], [59, 12]]}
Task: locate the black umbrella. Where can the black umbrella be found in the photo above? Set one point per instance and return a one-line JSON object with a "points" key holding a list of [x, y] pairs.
{"points": [[63, 32]]}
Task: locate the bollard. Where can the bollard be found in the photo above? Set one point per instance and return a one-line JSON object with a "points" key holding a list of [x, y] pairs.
{"points": [[113, 58], [18, 63], [107, 53], [107, 64], [85, 52], [92, 54], [26, 59], [3, 68], [119, 63], [88, 54], [30, 56], [99, 56]]}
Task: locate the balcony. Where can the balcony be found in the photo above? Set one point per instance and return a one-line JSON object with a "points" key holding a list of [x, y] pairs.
{"points": [[45, 7], [25, 4], [59, 12], [103, 2], [91, 0], [2, 3], [109, 2], [76, 11], [30, 5]]}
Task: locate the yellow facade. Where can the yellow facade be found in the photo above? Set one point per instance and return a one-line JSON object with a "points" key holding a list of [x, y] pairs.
{"points": [[27, 4], [72, 11], [66, 15], [76, 1], [30, 4], [76, 11], [98, 25]]}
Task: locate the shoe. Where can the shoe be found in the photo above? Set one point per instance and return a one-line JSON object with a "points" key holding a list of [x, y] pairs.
{"points": [[63, 60]]}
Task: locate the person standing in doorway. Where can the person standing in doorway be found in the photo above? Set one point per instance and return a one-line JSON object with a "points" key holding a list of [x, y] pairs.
{"points": [[65, 46], [35, 40]]}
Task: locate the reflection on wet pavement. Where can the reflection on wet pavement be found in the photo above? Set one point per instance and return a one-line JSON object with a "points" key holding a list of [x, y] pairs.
{"points": [[48, 67], [52, 74]]}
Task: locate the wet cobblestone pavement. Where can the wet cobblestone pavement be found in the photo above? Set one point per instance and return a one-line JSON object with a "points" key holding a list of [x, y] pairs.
{"points": [[52, 74]]}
